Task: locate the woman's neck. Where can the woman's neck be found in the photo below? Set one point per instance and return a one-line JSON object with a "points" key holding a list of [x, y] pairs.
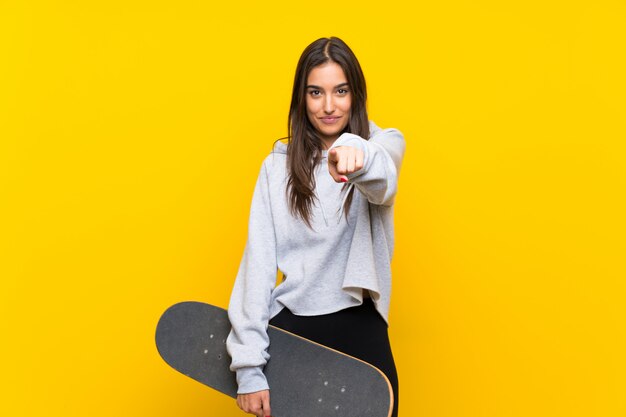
{"points": [[328, 142]]}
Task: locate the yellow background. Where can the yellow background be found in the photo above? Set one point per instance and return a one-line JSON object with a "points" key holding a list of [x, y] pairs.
{"points": [[131, 134]]}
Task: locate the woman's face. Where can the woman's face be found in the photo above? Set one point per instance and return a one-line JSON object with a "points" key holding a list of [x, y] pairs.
{"points": [[328, 101]]}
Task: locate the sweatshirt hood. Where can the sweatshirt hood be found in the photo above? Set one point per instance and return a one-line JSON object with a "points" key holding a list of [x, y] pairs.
{"points": [[281, 148]]}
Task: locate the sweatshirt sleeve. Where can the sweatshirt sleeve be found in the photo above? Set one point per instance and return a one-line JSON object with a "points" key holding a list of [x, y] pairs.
{"points": [[248, 309], [383, 154]]}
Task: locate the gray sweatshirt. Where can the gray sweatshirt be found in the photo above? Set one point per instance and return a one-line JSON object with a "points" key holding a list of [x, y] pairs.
{"points": [[325, 269]]}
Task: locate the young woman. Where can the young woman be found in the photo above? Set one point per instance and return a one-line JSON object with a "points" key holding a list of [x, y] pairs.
{"points": [[322, 214]]}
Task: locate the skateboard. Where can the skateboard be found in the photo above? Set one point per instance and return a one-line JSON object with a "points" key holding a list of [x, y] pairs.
{"points": [[305, 378]]}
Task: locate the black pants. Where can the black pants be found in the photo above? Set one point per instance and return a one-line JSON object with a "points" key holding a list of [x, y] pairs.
{"points": [[357, 331]]}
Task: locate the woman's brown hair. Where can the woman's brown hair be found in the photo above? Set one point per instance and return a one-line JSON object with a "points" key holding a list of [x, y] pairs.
{"points": [[304, 149]]}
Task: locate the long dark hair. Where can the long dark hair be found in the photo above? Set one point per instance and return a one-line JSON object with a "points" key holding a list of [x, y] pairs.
{"points": [[304, 149]]}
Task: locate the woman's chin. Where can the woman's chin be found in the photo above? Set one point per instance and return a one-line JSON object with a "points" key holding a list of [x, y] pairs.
{"points": [[329, 133]]}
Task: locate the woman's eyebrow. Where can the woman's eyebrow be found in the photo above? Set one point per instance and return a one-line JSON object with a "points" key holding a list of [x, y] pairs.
{"points": [[320, 88]]}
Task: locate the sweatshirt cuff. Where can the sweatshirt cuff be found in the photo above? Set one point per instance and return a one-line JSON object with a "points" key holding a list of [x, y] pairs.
{"points": [[251, 379]]}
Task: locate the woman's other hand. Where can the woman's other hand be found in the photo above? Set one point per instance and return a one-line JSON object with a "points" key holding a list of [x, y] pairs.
{"points": [[344, 160], [257, 403]]}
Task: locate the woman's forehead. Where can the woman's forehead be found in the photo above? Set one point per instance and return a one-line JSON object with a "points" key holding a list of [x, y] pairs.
{"points": [[329, 74]]}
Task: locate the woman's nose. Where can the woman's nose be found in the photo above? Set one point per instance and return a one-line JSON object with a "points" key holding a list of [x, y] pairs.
{"points": [[329, 104]]}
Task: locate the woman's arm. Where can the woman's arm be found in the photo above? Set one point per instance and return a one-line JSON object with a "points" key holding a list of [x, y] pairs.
{"points": [[383, 153], [248, 309]]}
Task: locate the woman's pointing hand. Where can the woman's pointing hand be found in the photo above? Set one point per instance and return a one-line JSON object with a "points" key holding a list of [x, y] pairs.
{"points": [[344, 160]]}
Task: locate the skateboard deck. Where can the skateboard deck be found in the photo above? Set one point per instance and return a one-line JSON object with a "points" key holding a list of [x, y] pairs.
{"points": [[306, 379]]}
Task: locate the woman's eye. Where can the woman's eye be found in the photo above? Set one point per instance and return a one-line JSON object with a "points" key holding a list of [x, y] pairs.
{"points": [[314, 92], [342, 91]]}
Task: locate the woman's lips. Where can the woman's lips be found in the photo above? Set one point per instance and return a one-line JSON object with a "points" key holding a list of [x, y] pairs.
{"points": [[330, 120]]}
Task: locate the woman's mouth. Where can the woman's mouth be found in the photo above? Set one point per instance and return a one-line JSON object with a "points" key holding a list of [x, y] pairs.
{"points": [[330, 120]]}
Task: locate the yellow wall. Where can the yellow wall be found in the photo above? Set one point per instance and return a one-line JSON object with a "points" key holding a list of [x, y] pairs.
{"points": [[131, 134]]}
